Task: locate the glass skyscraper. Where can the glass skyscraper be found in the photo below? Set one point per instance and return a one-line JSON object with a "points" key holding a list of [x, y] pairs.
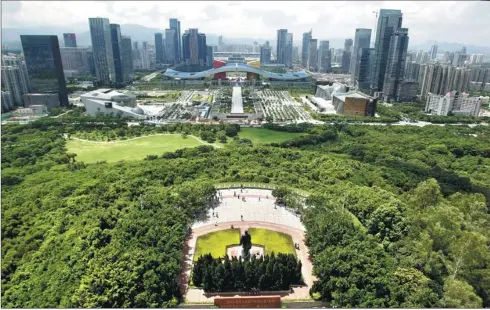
{"points": [[175, 24], [100, 32], [388, 22], [70, 39], [43, 60], [281, 45], [362, 40], [116, 52], [159, 48]]}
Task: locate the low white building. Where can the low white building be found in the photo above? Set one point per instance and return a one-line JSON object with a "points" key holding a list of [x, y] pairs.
{"points": [[327, 91], [111, 102], [454, 102]]}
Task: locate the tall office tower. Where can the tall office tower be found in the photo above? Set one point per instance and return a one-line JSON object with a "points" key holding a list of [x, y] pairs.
{"points": [[70, 39], [265, 53], [445, 58], [175, 24], [324, 57], [348, 45], [75, 60], [171, 49], [305, 48], [159, 48], [288, 50], [463, 50], [220, 40], [388, 22], [127, 59], [295, 54], [209, 56], [116, 52], [145, 56], [136, 55], [194, 47], [255, 47], [100, 31], [346, 56], [365, 59], [396, 64], [281, 45], [362, 40], [43, 59], [313, 55], [433, 51]]}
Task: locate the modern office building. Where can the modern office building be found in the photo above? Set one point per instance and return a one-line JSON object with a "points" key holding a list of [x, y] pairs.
{"points": [[348, 45], [145, 56], [171, 50], [159, 48], [43, 59], [75, 60], [127, 59], [116, 52], [281, 45], [407, 91], [288, 51], [175, 24], [209, 56], [346, 57], [362, 40], [307, 36], [455, 102], [70, 39], [312, 64], [100, 32], [324, 57], [433, 51], [265, 53], [365, 60], [395, 67], [388, 22], [194, 47]]}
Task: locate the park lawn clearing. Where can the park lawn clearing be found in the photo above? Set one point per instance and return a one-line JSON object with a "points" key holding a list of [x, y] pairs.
{"points": [[262, 135], [216, 242], [136, 149], [273, 241]]}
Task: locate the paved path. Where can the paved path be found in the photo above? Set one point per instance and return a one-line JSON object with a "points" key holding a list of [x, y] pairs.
{"points": [[258, 215]]}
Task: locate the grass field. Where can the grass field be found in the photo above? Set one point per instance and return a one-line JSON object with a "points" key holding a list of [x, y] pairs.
{"points": [[262, 135], [136, 149], [272, 241], [216, 242]]}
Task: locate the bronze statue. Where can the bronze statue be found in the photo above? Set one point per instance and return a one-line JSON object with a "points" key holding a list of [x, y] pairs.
{"points": [[246, 243]]}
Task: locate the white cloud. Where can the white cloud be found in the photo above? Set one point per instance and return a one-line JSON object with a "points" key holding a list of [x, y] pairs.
{"points": [[457, 21]]}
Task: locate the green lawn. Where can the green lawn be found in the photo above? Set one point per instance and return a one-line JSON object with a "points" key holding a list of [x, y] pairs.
{"points": [[216, 242], [272, 241], [128, 150], [262, 135]]}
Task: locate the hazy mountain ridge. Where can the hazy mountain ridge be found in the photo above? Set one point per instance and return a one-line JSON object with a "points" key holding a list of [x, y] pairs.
{"points": [[11, 37]]}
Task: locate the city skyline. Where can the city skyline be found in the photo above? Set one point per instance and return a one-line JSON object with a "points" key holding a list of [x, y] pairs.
{"points": [[427, 21]]}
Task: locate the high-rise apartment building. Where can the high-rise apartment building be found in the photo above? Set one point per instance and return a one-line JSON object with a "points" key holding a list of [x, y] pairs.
{"points": [[116, 52], [388, 22], [313, 55], [127, 59], [396, 64], [324, 57], [43, 59], [171, 50], [175, 24], [362, 40], [265, 53], [70, 39], [159, 48], [433, 51], [100, 32], [305, 48], [281, 45], [15, 78]]}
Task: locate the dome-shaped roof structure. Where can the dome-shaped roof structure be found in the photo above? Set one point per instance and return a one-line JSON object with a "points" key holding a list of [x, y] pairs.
{"points": [[137, 111]]}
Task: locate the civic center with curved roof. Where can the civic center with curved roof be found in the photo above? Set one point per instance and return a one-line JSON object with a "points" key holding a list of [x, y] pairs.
{"points": [[251, 68]]}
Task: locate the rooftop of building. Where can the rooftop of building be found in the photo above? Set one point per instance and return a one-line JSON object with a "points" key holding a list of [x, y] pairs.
{"points": [[352, 94], [107, 94]]}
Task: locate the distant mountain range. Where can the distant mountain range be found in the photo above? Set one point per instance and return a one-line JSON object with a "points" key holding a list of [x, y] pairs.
{"points": [[11, 38]]}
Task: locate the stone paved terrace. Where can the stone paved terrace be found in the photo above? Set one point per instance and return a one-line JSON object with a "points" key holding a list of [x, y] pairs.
{"points": [[231, 208]]}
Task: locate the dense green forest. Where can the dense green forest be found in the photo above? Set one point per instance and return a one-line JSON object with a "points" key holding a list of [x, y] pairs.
{"points": [[111, 235]]}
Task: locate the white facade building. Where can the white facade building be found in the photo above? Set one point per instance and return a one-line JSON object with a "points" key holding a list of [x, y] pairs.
{"points": [[458, 104], [111, 102]]}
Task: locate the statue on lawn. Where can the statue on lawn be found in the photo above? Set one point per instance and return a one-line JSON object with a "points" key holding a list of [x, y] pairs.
{"points": [[246, 243]]}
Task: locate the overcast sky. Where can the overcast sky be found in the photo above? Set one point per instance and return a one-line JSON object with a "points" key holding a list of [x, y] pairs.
{"points": [[461, 22]]}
